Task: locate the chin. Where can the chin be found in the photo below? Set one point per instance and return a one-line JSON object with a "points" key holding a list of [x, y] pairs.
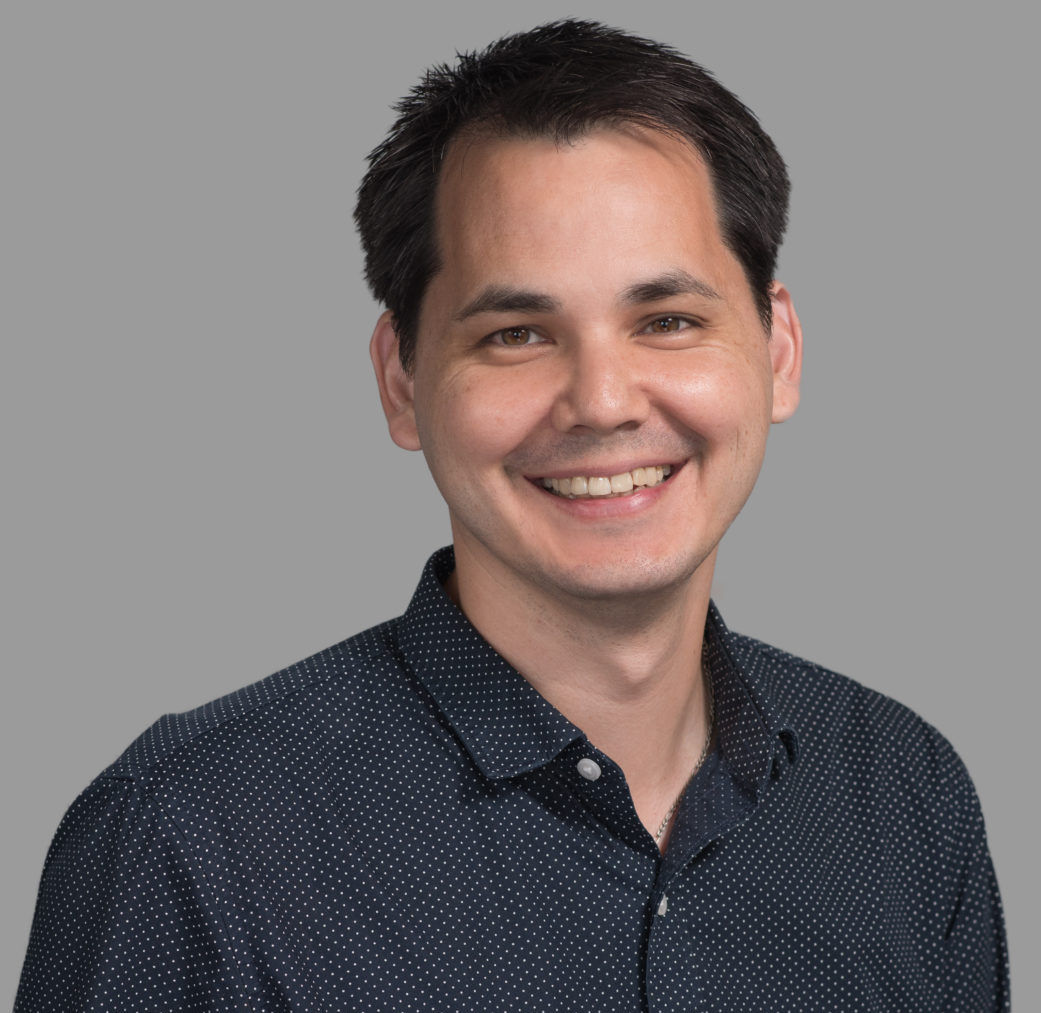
{"points": [[624, 578]]}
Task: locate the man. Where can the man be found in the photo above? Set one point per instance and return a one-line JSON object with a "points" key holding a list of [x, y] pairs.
{"points": [[557, 782]]}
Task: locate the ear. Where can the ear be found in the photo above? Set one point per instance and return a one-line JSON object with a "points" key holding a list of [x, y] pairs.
{"points": [[785, 352], [396, 387]]}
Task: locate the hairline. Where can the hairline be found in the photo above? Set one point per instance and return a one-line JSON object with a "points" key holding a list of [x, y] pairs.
{"points": [[490, 129]]}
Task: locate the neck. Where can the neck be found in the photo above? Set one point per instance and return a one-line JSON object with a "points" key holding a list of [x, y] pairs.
{"points": [[627, 671]]}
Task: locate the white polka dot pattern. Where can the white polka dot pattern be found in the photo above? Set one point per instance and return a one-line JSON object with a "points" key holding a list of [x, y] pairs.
{"points": [[402, 823]]}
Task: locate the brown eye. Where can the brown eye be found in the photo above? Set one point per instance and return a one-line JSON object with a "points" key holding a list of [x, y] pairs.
{"points": [[515, 337], [663, 325]]}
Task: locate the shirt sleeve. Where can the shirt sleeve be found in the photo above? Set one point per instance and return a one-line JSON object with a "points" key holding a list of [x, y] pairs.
{"points": [[123, 921], [977, 951]]}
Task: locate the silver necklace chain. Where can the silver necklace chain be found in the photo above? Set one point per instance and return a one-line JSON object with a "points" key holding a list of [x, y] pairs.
{"points": [[697, 766]]}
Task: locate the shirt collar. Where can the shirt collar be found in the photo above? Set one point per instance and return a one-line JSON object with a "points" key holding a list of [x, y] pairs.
{"points": [[509, 728], [751, 737]]}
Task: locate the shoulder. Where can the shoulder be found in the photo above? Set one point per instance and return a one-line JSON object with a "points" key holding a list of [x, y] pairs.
{"points": [[845, 726], [881, 800], [336, 690], [877, 780], [199, 790]]}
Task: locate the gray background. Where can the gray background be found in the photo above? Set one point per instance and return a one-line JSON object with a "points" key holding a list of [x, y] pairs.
{"points": [[200, 488]]}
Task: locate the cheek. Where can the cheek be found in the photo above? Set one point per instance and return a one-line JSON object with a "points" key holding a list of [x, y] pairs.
{"points": [[726, 405], [472, 419]]}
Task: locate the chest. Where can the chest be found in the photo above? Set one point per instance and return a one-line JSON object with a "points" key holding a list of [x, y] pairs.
{"points": [[536, 904]]}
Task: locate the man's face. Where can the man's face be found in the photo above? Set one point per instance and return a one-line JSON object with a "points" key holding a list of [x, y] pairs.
{"points": [[588, 324]]}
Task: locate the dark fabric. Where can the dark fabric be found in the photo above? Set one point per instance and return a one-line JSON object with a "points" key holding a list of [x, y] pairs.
{"points": [[399, 823]]}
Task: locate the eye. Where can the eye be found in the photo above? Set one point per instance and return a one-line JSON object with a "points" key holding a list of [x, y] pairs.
{"points": [[515, 337], [667, 325]]}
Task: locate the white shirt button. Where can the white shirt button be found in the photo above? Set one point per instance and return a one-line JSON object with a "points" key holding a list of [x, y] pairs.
{"points": [[589, 769]]}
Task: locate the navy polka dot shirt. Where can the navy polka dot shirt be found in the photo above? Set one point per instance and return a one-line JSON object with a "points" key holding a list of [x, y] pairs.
{"points": [[402, 823]]}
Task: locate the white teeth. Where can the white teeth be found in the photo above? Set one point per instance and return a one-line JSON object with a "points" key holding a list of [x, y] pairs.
{"points": [[612, 485]]}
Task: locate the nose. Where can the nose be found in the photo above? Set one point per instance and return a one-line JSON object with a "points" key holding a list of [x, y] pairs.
{"points": [[602, 389]]}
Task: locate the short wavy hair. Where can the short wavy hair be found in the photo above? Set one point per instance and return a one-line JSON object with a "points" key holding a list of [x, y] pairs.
{"points": [[560, 81]]}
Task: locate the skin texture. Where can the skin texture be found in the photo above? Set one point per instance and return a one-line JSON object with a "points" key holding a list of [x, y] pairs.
{"points": [[588, 319]]}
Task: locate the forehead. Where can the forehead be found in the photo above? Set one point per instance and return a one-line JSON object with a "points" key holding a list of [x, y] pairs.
{"points": [[506, 173], [581, 216]]}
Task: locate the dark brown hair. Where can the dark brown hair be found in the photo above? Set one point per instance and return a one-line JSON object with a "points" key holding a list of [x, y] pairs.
{"points": [[561, 80]]}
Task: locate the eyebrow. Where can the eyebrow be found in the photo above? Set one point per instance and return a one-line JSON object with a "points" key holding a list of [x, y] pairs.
{"points": [[505, 299], [667, 285]]}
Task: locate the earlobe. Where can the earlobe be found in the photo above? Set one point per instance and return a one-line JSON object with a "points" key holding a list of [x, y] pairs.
{"points": [[785, 352], [396, 388]]}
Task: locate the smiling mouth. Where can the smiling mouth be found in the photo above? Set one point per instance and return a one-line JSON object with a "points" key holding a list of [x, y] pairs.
{"points": [[600, 486]]}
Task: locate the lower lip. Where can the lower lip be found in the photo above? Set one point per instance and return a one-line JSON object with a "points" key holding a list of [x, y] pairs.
{"points": [[601, 507]]}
